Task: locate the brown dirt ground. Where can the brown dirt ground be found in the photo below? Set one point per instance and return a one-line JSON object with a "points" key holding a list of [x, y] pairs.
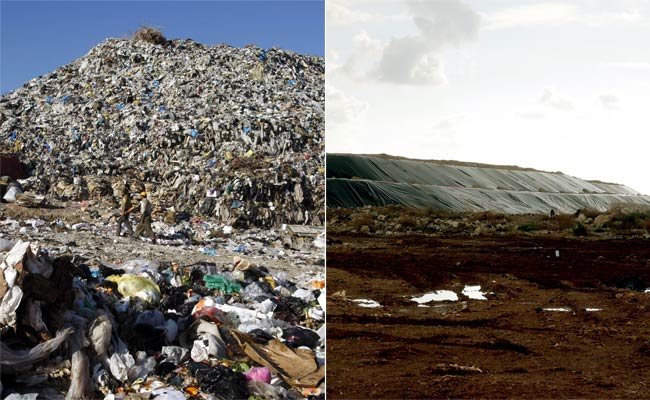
{"points": [[522, 351]]}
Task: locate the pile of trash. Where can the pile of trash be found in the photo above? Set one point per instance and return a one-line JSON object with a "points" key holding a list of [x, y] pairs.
{"points": [[235, 134], [156, 330]]}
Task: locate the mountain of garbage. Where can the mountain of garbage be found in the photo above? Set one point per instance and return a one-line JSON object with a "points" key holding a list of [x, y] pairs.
{"points": [[379, 180], [236, 134]]}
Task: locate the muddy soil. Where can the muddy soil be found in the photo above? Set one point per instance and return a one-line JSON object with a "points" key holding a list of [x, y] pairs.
{"points": [[512, 345]]}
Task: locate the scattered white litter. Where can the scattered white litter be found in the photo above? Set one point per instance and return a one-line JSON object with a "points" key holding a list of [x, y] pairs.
{"points": [[367, 303], [438, 295], [474, 292], [593, 309], [647, 290], [424, 305], [558, 309]]}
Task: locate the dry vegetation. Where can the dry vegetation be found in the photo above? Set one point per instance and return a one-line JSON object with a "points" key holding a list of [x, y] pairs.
{"points": [[617, 221], [150, 34]]}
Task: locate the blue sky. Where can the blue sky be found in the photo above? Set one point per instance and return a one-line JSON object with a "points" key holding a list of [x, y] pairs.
{"points": [[39, 36]]}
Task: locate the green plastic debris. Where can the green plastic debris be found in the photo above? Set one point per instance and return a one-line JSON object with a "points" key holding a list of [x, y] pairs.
{"points": [[130, 285], [222, 284]]}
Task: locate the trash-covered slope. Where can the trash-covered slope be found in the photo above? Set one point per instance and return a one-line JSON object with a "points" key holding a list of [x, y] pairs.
{"points": [[233, 133], [147, 328], [354, 181]]}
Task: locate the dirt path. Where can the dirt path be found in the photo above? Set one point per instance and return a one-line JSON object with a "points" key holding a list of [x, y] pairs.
{"points": [[512, 345]]}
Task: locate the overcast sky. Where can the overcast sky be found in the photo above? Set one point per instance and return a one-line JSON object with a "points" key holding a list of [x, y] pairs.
{"points": [[558, 86]]}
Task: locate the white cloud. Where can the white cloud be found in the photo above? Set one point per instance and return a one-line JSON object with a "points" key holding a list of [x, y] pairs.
{"points": [[350, 12], [629, 64], [339, 14], [555, 100], [342, 108], [416, 59], [429, 69], [609, 101], [530, 115], [556, 13], [408, 59], [364, 41], [365, 51], [448, 123]]}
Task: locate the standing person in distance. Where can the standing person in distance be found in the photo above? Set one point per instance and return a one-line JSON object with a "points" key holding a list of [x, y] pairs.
{"points": [[126, 208], [144, 224]]}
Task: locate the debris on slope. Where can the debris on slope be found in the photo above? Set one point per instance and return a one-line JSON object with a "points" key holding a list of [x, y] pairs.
{"points": [[235, 134]]}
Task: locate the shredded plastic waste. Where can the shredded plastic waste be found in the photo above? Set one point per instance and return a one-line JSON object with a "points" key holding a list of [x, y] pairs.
{"points": [[367, 303], [438, 295], [474, 292]]}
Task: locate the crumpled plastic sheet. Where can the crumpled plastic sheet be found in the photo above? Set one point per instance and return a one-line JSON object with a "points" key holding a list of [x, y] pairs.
{"points": [[10, 283], [16, 360], [80, 384], [26, 396], [207, 129], [121, 361], [100, 334]]}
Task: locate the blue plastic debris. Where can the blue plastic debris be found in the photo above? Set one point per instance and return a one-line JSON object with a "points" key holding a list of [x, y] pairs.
{"points": [[95, 272], [65, 98], [156, 83], [262, 55], [209, 252], [241, 248], [48, 147], [236, 204], [161, 108], [13, 135], [247, 129], [120, 107], [194, 132], [49, 99], [291, 82]]}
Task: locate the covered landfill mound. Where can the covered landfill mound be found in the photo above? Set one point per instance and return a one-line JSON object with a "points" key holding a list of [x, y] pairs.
{"points": [[378, 180], [231, 133]]}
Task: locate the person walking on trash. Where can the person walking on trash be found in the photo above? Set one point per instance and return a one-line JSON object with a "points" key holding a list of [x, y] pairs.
{"points": [[144, 224], [127, 208]]}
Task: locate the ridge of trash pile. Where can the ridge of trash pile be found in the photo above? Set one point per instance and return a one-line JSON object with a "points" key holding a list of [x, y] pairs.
{"points": [[236, 134]]}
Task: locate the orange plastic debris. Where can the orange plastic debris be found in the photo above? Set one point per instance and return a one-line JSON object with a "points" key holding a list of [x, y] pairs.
{"points": [[192, 391]]}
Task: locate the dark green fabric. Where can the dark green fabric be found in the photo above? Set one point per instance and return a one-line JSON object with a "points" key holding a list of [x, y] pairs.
{"points": [[355, 181]]}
